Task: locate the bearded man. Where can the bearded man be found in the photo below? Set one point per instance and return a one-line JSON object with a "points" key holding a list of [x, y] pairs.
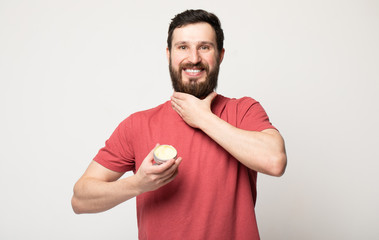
{"points": [[221, 142]]}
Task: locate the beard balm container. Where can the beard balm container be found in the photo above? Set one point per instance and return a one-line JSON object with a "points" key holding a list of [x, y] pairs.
{"points": [[164, 153]]}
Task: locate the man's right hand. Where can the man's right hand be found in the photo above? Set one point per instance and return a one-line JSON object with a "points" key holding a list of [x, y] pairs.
{"points": [[100, 189], [151, 176]]}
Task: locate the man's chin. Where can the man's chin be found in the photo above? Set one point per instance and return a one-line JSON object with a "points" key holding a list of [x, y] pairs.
{"points": [[193, 80], [200, 95]]}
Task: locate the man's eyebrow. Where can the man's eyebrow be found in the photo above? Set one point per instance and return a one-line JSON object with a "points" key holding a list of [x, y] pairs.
{"points": [[180, 43], [207, 42], [198, 43]]}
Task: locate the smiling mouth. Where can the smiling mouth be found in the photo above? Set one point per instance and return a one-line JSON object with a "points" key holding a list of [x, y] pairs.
{"points": [[194, 72]]}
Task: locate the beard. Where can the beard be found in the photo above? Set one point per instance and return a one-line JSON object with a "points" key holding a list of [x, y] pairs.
{"points": [[193, 87]]}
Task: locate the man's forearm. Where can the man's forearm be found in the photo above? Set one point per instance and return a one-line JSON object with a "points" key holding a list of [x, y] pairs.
{"points": [[92, 195], [261, 151]]}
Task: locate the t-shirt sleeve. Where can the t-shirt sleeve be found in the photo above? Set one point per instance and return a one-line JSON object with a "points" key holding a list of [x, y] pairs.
{"points": [[252, 116], [117, 154]]}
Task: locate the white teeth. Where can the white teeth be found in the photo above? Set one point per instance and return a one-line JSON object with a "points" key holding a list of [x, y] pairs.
{"points": [[193, 70]]}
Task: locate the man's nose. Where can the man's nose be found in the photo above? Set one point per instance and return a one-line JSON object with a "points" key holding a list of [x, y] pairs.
{"points": [[194, 56]]}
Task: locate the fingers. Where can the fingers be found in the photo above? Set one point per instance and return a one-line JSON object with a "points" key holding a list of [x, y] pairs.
{"points": [[178, 160], [177, 108], [179, 95], [170, 165], [168, 172], [177, 99], [172, 171], [151, 176], [163, 166], [180, 101], [169, 178], [211, 96]]}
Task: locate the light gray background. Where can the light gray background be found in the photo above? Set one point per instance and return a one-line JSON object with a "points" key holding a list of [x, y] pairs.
{"points": [[70, 71]]}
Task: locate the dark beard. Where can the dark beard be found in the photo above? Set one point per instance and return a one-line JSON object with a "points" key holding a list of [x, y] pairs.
{"points": [[199, 90]]}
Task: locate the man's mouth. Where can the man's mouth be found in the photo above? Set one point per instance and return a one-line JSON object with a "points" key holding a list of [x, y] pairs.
{"points": [[193, 70]]}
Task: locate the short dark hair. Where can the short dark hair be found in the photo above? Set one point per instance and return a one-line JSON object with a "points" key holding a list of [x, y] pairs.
{"points": [[196, 16]]}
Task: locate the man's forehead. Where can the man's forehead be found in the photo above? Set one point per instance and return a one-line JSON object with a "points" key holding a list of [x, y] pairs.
{"points": [[194, 33]]}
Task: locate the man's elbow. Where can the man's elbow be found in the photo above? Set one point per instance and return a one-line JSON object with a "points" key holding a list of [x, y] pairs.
{"points": [[278, 165], [75, 205], [75, 201]]}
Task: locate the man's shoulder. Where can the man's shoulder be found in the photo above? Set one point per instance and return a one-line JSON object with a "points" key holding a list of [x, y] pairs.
{"points": [[150, 111], [230, 102]]}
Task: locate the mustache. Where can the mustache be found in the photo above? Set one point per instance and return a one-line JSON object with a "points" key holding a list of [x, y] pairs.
{"points": [[199, 65]]}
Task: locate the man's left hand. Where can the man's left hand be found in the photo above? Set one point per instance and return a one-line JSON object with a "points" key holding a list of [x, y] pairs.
{"points": [[191, 109]]}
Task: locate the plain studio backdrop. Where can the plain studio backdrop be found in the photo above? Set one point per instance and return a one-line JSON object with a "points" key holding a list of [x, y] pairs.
{"points": [[70, 71]]}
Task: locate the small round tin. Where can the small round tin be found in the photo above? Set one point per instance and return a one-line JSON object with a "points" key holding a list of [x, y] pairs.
{"points": [[164, 153]]}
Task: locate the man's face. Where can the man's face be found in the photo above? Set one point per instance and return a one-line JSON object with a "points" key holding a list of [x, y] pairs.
{"points": [[194, 60]]}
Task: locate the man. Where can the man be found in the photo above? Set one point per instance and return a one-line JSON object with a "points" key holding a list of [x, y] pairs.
{"points": [[222, 143]]}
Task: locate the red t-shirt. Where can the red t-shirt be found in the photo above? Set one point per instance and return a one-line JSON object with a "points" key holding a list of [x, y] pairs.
{"points": [[213, 196]]}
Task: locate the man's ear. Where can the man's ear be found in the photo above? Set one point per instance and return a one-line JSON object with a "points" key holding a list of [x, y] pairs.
{"points": [[168, 54], [221, 56]]}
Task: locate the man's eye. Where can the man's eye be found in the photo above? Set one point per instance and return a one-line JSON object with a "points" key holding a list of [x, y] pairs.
{"points": [[182, 47], [205, 47]]}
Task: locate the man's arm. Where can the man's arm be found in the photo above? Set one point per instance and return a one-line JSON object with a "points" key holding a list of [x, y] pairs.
{"points": [[261, 151], [100, 189]]}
